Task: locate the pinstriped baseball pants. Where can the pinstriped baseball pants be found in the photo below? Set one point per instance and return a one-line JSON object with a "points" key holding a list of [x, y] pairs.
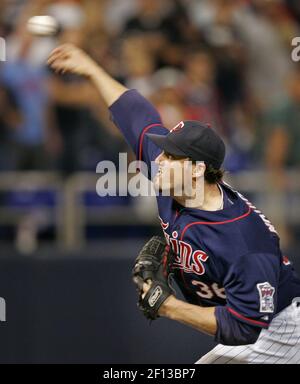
{"points": [[279, 344]]}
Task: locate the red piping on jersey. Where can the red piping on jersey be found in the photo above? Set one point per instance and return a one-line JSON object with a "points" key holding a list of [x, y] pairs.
{"points": [[260, 323], [214, 223], [142, 138], [210, 223]]}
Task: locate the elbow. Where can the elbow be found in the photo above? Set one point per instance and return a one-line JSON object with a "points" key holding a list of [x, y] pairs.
{"points": [[253, 337], [242, 339], [231, 331]]}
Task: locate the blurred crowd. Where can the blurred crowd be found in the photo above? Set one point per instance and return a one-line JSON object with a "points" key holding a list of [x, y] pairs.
{"points": [[226, 62]]}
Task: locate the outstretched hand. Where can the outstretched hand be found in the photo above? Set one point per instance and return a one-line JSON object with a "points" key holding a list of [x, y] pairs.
{"points": [[68, 58]]}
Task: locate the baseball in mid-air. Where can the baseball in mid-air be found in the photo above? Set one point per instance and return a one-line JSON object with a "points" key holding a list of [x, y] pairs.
{"points": [[42, 25]]}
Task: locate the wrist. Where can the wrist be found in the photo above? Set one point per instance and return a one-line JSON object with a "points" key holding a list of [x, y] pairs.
{"points": [[168, 308], [94, 71]]}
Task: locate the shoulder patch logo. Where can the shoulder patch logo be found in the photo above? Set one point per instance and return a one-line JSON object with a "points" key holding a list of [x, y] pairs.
{"points": [[266, 295]]}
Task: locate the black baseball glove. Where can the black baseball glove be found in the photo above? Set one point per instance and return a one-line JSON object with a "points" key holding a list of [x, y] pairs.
{"points": [[153, 265]]}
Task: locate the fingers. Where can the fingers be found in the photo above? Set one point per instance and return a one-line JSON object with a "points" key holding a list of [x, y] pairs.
{"points": [[60, 61], [139, 282], [58, 56], [62, 52], [146, 287], [142, 285], [58, 66], [64, 48], [145, 290]]}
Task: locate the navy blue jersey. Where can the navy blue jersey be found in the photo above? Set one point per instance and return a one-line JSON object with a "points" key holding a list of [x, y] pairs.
{"points": [[229, 258]]}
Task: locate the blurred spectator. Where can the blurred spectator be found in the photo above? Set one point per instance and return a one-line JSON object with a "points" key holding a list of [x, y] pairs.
{"points": [[150, 17], [28, 86], [85, 137], [282, 151], [117, 13], [25, 76], [268, 61], [9, 121], [68, 13], [165, 27], [255, 26], [138, 65], [199, 88], [294, 7], [283, 136], [168, 97]]}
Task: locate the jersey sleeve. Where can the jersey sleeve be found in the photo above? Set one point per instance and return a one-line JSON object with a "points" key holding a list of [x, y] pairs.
{"points": [[251, 286], [230, 331], [135, 116]]}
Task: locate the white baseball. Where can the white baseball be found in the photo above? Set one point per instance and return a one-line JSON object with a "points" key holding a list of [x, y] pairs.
{"points": [[42, 25]]}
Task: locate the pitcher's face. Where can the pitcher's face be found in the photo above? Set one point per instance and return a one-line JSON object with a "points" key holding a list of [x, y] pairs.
{"points": [[171, 172]]}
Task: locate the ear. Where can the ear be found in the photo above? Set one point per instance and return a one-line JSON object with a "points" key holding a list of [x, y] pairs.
{"points": [[199, 169]]}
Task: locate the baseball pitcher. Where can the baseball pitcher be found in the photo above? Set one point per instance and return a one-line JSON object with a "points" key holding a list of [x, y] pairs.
{"points": [[223, 253]]}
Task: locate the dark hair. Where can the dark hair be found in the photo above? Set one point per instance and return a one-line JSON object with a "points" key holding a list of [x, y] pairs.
{"points": [[212, 175]]}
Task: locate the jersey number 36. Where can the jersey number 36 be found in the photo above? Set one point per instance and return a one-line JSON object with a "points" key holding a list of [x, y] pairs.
{"points": [[209, 291]]}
